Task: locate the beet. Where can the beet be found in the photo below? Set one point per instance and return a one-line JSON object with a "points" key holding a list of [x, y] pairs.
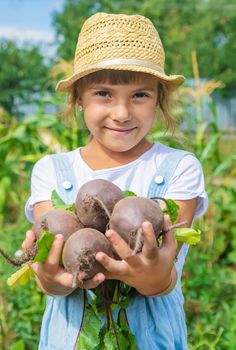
{"points": [[95, 202], [58, 221], [129, 214], [80, 250]]}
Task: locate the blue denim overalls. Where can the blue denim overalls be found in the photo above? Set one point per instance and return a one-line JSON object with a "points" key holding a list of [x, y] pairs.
{"points": [[158, 323]]}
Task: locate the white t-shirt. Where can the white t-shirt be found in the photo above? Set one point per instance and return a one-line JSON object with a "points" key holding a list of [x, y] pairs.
{"points": [[186, 183]]}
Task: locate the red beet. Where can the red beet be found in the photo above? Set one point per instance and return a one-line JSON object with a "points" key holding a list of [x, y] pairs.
{"points": [[129, 214], [95, 202], [80, 250], [58, 221]]}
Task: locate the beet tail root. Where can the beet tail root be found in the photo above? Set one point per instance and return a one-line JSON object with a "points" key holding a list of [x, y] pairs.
{"points": [[179, 224], [27, 256], [76, 281], [139, 241]]}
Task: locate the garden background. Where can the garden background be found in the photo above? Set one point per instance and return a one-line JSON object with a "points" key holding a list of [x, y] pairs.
{"points": [[199, 38]]}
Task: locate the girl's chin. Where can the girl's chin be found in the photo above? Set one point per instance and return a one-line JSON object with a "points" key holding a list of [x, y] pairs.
{"points": [[120, 147]]}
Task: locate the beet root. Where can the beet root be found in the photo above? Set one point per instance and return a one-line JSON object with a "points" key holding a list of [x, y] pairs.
{"points": [[80, 250], [95, 202], [58, 221], [129, 214]]}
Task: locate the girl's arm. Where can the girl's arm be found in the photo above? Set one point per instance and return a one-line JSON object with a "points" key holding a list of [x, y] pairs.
{"points": [[186, 213]]}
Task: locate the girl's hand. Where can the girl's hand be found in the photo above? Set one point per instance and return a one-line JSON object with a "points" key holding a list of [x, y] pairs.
{"points": [[51, 276], [149, 271]]}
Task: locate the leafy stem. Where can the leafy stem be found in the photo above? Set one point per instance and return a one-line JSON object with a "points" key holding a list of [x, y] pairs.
{"points": [[172, 208]]}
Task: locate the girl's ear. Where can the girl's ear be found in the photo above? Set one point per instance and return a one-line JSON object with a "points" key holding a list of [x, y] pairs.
{"points": [[79, 102]]}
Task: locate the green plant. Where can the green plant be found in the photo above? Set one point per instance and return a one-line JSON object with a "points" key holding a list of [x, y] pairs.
{"points": [[20, 308], [22, 143]]}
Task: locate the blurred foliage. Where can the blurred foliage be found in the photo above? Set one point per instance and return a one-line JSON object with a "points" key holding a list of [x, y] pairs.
{"points": [[23, 143], [23, 76], [205, 26]]}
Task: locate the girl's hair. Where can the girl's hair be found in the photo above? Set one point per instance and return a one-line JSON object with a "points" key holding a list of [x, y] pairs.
{"points": [[115, 77]]}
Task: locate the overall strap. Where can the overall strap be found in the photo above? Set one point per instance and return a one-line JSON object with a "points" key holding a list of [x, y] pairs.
{"points": [[66, 182], [159, 186], [164, 173]]}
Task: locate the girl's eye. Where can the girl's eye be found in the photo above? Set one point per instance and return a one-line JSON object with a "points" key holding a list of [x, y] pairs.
{"points": [[102, 93], [141, 95]]}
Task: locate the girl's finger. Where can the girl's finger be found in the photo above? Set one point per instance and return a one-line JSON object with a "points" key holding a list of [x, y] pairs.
{"points": [[114, 267], [29, 240], [167, 223], [34, 267], [120, 246], [65, 279], [169, 242], [150, 244], [54, 255], [93, 282]]}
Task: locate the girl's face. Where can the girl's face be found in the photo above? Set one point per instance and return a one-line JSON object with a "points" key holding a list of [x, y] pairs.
{"points": [[120, 116]]}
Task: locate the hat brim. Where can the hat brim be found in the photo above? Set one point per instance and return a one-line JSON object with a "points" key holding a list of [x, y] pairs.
{"points": [[173, 81]]}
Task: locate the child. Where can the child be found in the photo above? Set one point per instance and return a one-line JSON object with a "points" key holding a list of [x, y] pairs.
{"points": [[119, 82]]}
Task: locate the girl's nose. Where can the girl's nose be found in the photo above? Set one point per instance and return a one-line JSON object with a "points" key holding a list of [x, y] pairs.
{"points": [[120, 113]]}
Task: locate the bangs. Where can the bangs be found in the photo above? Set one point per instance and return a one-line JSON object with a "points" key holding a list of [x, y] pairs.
{"points": [[114, 77]]}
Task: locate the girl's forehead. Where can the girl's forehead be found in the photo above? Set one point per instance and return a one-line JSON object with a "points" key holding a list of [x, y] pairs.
{"points": [[110, 77]]}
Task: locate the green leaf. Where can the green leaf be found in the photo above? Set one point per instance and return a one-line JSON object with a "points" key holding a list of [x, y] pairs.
{"points": [[56, 200], [129, 194], [126, 339], [44, 245], [89, 334], [98, 302], [210, 148], [123, 323], [58, 203], [18, 345], [187, 235], [172, 209], [20, 277], [110, 340]]}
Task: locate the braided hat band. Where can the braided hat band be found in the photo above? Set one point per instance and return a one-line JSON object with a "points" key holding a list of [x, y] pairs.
{"points": [[119, 42]]}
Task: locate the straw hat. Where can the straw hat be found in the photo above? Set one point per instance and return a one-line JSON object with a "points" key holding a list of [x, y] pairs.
{"points": [[119, 42]]}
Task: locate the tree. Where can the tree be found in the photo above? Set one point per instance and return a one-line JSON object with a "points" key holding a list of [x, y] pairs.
{"points": [[23, 76], [206, 26]]}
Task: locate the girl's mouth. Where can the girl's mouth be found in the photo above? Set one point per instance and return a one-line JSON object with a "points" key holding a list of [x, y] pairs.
{"points": [[120, 131]]}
